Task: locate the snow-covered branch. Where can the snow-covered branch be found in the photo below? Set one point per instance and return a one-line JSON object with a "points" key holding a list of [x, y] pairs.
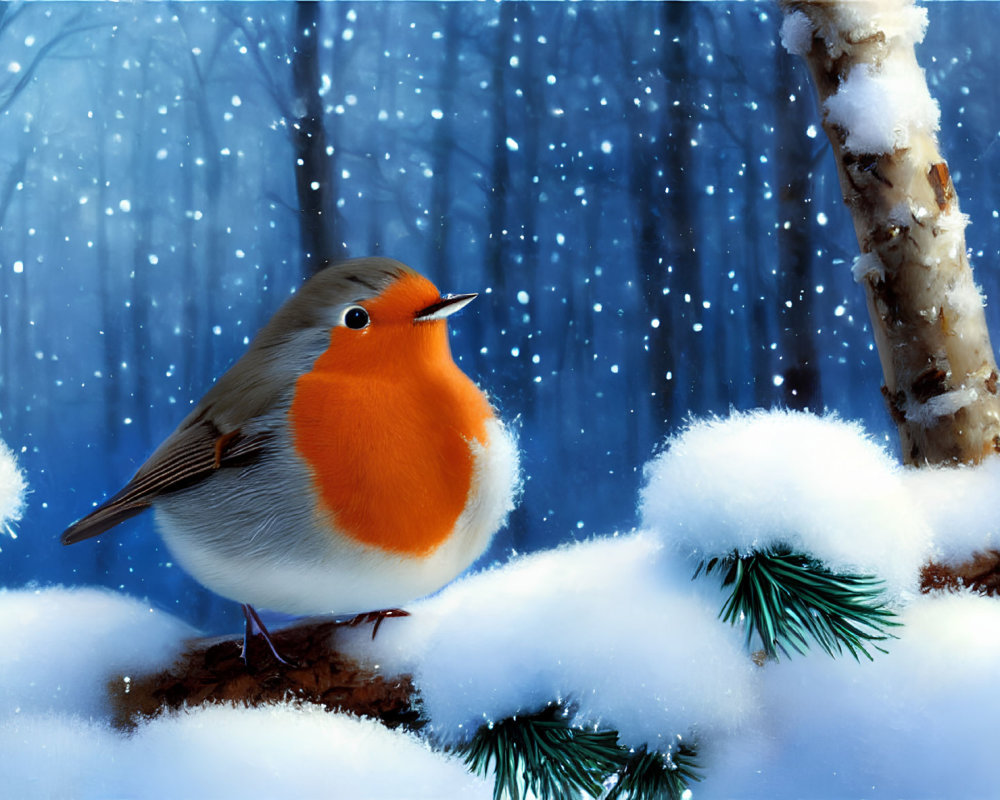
{"points": [[613, 630], [926, 310]]}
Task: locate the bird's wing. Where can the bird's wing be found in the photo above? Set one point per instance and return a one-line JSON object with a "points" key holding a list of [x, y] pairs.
{"points": [[190, 455]]}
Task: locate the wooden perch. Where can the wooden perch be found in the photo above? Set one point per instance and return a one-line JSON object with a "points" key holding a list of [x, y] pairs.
{"points": [[211, 671], [981, 574], [926, 311]]}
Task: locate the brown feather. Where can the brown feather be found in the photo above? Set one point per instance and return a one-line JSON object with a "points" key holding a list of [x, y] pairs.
{"points": [[194, 453]]}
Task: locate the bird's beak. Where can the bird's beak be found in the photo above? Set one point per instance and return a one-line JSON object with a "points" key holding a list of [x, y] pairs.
{"points": [[445, 307]]}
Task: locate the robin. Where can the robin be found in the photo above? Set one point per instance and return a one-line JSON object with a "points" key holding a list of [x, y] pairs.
{"points": [[344, 464]]}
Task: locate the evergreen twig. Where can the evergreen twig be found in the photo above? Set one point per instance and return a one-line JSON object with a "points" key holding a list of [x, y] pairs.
{"points": [[545, 755], [654, 776], [789, 598]]}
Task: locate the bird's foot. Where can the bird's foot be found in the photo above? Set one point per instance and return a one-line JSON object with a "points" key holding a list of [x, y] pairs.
{"points": [[253, 618], [377, 617]]}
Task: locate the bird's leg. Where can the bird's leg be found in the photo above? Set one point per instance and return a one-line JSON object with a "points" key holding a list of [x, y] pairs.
{"points": [[381, 615], [376, 617], [253, 618]]}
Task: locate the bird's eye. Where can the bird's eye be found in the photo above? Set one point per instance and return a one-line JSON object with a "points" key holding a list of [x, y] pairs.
{"points": [[356, 318]]}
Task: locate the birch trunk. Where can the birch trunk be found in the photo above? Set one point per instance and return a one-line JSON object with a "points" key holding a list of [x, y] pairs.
{"points": [[926, 311]]}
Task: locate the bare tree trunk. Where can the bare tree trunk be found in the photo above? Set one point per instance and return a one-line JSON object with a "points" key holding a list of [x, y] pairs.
{"points": [[499, 252], [656, 305], [695, 378], [384, 139], [322, 233], [652, 256], [201, 259], [800, 360], [926, 311], [111, 353], [522, 104], [758, 283]]}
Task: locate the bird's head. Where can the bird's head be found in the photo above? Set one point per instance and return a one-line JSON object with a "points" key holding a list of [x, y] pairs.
{"points": [[376, 315]]}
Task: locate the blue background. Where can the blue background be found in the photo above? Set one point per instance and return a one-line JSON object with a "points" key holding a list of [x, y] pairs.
{"points": [[641, 193]]}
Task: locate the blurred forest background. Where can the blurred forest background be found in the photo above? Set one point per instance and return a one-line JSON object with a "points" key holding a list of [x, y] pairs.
{"points": [[640, 191]]}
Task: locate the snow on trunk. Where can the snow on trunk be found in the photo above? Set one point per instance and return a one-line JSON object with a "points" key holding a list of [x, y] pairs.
{"points": [[926, 311]]}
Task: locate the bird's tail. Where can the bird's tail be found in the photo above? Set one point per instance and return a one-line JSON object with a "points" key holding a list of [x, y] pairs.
{"points": [[102, 519]]}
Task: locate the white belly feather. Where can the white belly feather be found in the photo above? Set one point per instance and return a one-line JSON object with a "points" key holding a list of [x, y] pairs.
{"points": [[265, 543]]}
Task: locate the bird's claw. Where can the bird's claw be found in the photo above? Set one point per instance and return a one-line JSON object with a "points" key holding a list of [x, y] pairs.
{"points": [[377, 617], [253, 618]]}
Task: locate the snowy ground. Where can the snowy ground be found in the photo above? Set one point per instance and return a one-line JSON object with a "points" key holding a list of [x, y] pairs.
{"points": [[615, 624]]}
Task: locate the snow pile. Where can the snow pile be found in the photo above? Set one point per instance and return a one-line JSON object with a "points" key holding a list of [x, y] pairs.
{"points": [[12, 489], [906, 725], [959, 505], [223, 752], [63, 645], [607, 625], [816, 484]]}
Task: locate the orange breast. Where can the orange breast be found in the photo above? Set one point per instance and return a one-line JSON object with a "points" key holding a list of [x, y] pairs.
{"points": [[386, 432]]}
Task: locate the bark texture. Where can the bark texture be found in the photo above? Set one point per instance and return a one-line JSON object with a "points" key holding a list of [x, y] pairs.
{"points": [[981, 574], [211, 671], [926, 311]]}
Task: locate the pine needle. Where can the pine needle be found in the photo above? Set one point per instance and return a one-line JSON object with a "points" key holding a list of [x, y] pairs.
{"points": [[654, 776], [789, 599], [545, 755]]}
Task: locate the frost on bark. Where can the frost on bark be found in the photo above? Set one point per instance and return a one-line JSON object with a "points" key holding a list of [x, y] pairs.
{"points": [[926, 311]]}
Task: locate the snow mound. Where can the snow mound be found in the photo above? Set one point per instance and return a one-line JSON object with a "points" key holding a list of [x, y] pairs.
{"points": [[602, 624], [959, 504], [905, 725], [759, 479], [225, 752], [63, 645]]}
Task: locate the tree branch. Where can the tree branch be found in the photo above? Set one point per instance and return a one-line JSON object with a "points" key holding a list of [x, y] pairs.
{"points": [[211, 671], [27, 74]]}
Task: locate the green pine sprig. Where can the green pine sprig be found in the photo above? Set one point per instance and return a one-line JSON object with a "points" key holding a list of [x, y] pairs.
{"points": [[545, 755], [654, 776], [789, 599]]}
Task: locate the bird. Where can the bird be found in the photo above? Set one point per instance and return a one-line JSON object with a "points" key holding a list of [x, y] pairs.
{"points": [[344, 464]]}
